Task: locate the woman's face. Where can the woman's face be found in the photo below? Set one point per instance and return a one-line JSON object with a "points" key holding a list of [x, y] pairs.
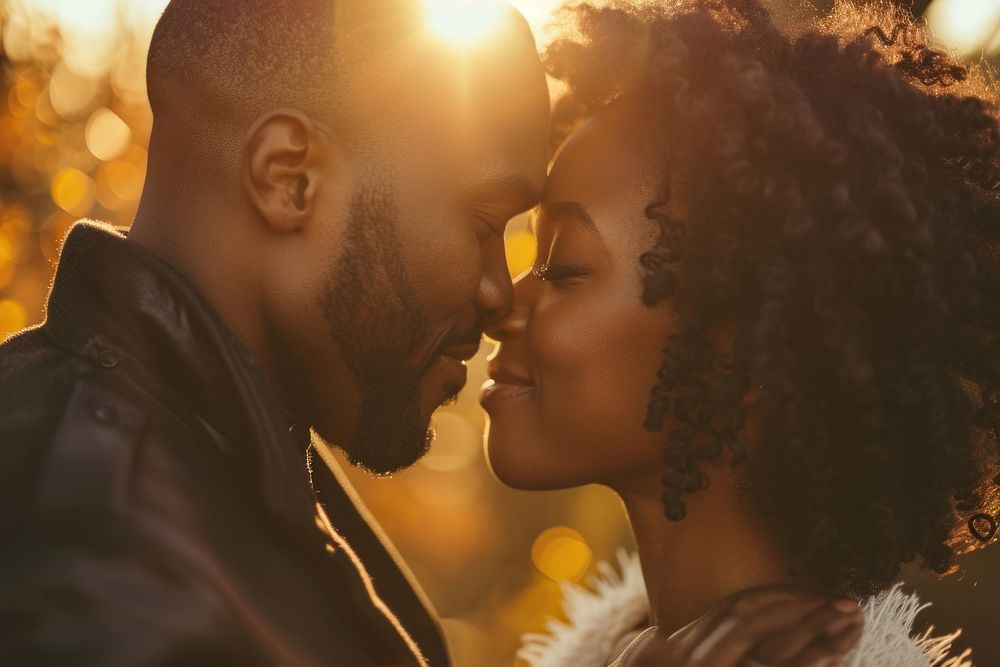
{"points": [[580, 350]]}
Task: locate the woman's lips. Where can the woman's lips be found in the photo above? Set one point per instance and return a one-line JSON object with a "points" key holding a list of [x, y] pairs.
{"points": [[503, 385], [495, 392]]}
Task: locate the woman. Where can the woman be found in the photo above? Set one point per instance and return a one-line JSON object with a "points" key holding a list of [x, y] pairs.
{"points": [[794, 242]]}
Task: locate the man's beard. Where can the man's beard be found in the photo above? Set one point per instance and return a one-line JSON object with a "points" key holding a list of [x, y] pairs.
{"points": [[371, 308]]}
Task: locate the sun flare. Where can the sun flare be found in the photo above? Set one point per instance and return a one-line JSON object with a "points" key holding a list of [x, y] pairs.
{"points": [[464, 22], [968, 25]]}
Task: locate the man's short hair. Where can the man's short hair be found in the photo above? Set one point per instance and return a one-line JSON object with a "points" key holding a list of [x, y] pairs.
{"points": [[233, 60]]}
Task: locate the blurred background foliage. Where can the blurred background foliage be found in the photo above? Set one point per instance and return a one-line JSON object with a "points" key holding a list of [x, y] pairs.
{"points": [[74, 126]]}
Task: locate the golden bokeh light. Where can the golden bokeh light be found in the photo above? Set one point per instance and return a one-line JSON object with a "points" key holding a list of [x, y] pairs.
{"points": [[12, 317], [561, 554], [95, 18], [15, 224], [71, 93], [8, 251], [87, 29], [107, 134], [119, 185], [53, 234], [8, 270], [73, 191], [23, 96]]}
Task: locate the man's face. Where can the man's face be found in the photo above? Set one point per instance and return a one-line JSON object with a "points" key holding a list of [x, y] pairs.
{"points": [[419, 266]]}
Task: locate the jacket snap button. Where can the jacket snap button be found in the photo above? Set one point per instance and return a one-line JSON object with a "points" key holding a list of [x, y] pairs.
{"points": [[107, 358], [104, 414]]}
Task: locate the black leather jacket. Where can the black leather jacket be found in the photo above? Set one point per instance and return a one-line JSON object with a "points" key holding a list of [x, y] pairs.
{"points": [[156, 497]]}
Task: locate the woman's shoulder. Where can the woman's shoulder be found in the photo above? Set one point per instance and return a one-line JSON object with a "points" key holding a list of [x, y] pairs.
{"points": [[606, 615]]}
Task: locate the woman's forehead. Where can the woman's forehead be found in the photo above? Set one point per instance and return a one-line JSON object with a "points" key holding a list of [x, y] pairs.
{"points": [[603, 179], [611, 144], [605, 167]]}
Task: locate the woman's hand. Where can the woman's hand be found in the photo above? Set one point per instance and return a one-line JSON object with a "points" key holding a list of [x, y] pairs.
{"points": [[768, 626]]}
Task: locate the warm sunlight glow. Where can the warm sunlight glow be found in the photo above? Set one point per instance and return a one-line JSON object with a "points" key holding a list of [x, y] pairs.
{"points": [[970, 26], [464, 22], [539, 13]]}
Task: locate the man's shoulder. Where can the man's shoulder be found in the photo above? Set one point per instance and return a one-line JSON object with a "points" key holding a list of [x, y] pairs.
{"points": [[91, 458], [88, 459], [29, 363], [72, 431], [36, 379], [66, 431]]}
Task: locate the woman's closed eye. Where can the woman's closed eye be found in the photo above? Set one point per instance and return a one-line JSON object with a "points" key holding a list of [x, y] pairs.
{"points": [[559, 274]]}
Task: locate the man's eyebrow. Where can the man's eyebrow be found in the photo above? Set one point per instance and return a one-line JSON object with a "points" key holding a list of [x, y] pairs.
{"points": [[576, 210]]}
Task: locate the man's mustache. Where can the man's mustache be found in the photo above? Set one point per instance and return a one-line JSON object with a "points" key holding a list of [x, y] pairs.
{"points": [[457, 340]]}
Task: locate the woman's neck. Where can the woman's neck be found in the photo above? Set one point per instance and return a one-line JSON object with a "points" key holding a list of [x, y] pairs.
{"points": [[722, 546]]}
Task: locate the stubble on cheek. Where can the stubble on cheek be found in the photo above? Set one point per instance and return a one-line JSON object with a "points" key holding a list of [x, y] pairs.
{"points": [[369, 304]]}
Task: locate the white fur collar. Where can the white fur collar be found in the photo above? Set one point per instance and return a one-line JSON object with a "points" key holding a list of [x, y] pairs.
{"points": [[614, 605]]}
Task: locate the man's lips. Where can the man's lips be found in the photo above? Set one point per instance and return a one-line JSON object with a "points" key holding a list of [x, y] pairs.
{"points": [[455, 373], [457, 352], [454, 359], [463, 352]]}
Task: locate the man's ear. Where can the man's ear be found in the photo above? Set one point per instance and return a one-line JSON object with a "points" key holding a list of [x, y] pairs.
{"points": [[282, 155]]}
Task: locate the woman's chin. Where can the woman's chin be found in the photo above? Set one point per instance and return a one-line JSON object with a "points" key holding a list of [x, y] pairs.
{"points": [[506, 468], [519, 467]]}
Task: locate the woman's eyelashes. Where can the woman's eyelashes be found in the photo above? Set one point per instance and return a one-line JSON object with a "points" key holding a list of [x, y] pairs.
{"points": [[558, 274]]}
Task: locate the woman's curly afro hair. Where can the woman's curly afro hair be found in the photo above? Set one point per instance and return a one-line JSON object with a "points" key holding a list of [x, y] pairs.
{"points": [[829, 198]]}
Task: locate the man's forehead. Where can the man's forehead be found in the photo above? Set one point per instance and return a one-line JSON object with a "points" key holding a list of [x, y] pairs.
{"points": [[422, 73], [479, 114], [519, 190], [499, 139]]}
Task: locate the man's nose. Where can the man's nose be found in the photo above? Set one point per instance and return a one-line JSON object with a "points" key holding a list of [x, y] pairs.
{"points": [[496, 291], [514, 321]]}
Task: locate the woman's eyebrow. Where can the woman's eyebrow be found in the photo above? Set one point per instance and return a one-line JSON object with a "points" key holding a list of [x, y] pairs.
{"points": [[576, 210]]}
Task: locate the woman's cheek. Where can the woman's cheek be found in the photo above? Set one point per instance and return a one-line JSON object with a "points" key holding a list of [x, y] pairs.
{"points": [[597, 364], [577, 343], [558, 339]]}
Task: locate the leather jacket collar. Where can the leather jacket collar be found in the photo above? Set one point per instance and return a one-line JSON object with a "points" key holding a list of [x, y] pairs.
{"points": [[118, 303]]}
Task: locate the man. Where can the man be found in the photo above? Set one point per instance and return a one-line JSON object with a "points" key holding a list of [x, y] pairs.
{"points": [[319, 243]]}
